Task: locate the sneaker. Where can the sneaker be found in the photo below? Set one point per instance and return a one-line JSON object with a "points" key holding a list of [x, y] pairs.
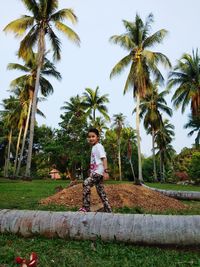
{"points": [[82, 209]]}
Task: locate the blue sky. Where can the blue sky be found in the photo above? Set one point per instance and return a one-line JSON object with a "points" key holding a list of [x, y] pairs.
{"points": [[90, 65]]}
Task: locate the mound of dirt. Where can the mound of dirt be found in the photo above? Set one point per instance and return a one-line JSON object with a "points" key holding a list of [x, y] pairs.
{"points": [[121, 195]]}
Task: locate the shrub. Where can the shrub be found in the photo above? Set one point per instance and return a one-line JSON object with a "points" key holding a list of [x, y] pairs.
{"points": [[194, 168]]}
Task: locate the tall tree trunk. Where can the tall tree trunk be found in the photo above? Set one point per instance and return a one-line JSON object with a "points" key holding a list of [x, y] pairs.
{"points": [[163, 171], [7, 161], [41, 50], [119, 160], [17, 150], [139, 180], [132, 169], [161, 165], [94, 115], [154, 158], [24, 138]]}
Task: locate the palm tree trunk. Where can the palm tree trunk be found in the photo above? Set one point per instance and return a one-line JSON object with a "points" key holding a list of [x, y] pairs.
{"points": [[17, 150], [139, 180], [7, 161], [130, 228], [94, 115], [160, 165], [163, 171], [24, 138], [41, 50], [119, 160], [132, 169], [154, 158]]}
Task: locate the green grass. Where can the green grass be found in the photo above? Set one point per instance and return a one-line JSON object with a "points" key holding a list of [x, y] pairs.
{"points": [[174, 187], [25, 195], [16, 194], [57, 252], [62, 253]]}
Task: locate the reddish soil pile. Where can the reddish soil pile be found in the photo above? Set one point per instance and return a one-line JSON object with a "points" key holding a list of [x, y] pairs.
{"points": [[121, 195]]}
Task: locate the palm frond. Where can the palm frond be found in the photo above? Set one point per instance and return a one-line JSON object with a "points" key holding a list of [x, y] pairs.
{"points": [[147, 26], [18, 81], [46, 87], [52, 5], [32, 6], [68, 32], [19, 26], [129, 84], [52, 73], [64, 14], [28, 42], [50, 69], [120, 66], [16, 66], [123, 40], [55, 42], [155, 38]]}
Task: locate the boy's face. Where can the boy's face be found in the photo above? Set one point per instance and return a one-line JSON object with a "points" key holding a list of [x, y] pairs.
{"points": [[92, 138]]}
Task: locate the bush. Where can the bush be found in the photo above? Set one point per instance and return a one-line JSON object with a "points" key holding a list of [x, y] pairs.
{"points": [[42, 173], [194, 168], [181, 176]]}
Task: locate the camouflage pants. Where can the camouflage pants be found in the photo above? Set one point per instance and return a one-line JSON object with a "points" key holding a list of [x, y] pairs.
{"points": [[96, 180]]}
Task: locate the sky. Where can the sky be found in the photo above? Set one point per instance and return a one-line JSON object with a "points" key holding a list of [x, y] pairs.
{"points": [[90, 64]]}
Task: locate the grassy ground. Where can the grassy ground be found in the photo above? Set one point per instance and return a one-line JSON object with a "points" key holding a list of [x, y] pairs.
{"points": [[62, 253], [25, 195], [174, 187]]}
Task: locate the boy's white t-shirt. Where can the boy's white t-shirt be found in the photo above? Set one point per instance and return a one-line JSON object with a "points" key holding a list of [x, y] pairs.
{"points": [[96, 164]]}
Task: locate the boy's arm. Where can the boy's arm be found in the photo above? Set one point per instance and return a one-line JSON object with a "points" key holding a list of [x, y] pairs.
{"points": [[105, 166]]}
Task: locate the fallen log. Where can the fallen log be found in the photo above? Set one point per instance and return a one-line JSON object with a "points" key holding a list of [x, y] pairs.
{"points": [[185, 195], [131, 228]]}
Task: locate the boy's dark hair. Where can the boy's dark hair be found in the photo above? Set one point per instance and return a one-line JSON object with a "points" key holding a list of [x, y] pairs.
{"points": [[94, 130]]}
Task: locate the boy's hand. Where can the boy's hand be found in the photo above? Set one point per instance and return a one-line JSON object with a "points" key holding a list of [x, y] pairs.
{"points": [[105, 176]]}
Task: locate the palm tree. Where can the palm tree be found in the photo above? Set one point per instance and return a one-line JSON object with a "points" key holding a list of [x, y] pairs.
{"points": [[119, 120], [129, 136], [26, 83], [74, 107], [100, 125], [151, 107], [143, 62], [194, 124], [163, 138], [186, 79], [44, 14], [93, 102], [10, 116]]}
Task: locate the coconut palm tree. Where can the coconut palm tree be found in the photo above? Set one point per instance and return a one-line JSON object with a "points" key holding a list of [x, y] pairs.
{"points": [[163, 138], [151, 107], [119, 120], [143, 62], [10, 116], [74, 108], [93, 102], [45, 13], [194, 124], [26, 83], [129, 136], [100, 125], [186, 79]]}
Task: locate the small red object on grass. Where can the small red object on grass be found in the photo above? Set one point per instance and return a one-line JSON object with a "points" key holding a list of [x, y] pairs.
{"points": [[32, 262]]}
